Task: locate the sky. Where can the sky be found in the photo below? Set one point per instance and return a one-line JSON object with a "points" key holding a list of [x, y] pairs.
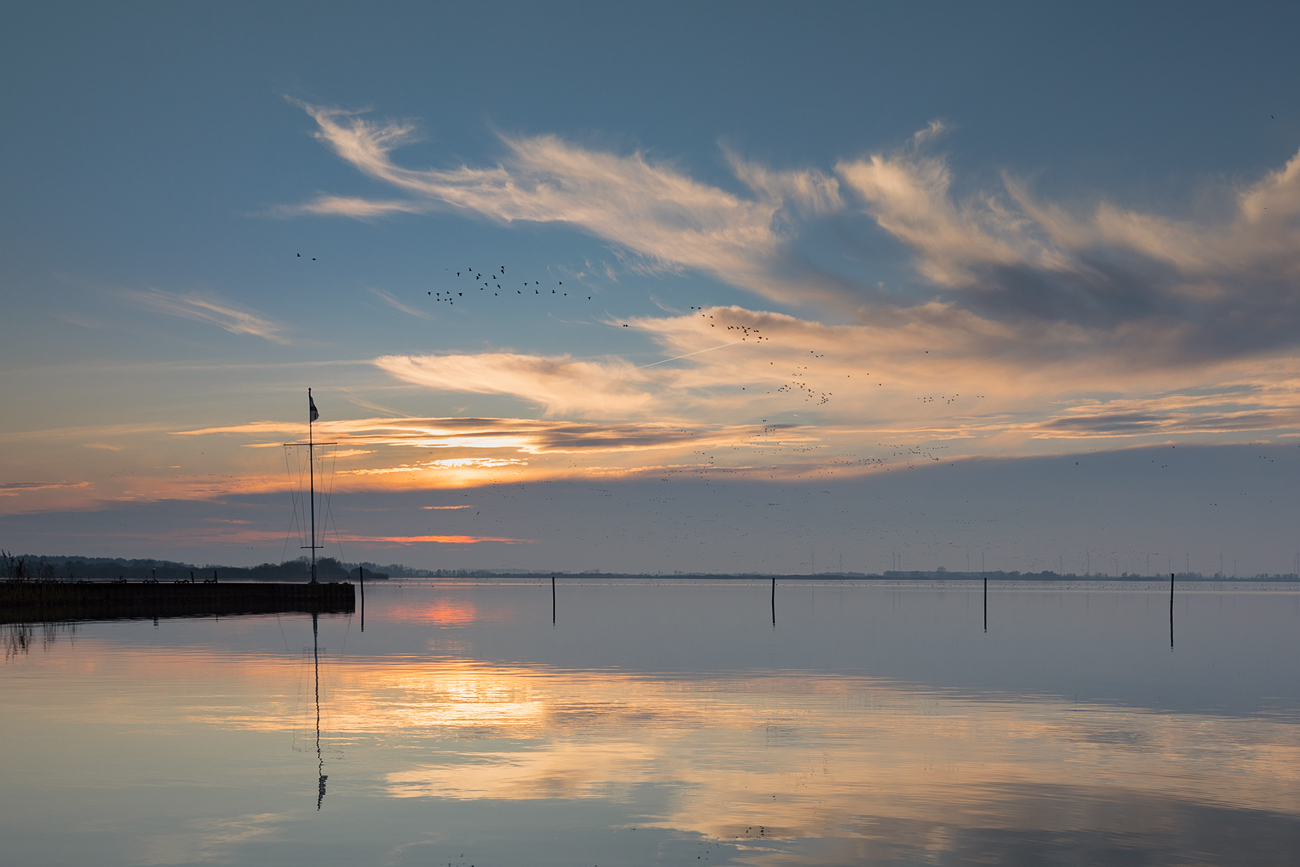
{"points": [[720, 287]]}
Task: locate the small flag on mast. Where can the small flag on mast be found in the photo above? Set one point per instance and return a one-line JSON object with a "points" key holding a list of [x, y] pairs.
{"points": [[311, 404]]}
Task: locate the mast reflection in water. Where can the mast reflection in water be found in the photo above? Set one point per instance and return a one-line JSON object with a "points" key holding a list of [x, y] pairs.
{"points": [[315, 661]]}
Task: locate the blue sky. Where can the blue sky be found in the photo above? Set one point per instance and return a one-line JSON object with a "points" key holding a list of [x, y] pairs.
{"points": [[802, 244]]}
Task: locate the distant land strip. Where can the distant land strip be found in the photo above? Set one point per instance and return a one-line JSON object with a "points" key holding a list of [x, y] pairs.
{"points": [[107, 569]]}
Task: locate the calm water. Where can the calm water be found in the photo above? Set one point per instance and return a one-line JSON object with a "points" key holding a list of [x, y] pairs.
{"points": [[872, 724]]}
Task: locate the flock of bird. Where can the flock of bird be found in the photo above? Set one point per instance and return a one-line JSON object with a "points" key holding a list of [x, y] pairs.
{"points": [[495, 281]]}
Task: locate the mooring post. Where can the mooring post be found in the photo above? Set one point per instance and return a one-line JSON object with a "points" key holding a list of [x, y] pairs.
{"points": [[1171, 610], [986, 603], [361, 576], [774, 600], [552, 599]]}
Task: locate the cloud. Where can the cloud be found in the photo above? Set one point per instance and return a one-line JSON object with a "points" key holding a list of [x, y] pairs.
{"points": [[1159, 290], [442, 464], [13, 489], [998, 270], [348, 206], [206, 308], [523, 436], [649, 208], [441, 540], [398, 305], [1138, 423], [850, 398], [561, 384], [808, 191]]}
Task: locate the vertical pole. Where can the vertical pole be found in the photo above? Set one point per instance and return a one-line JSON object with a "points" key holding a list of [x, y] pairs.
{"points": [[552, 599], [361, 576], [311, 474], [1171, 610], [774, 600], [986, 603]]}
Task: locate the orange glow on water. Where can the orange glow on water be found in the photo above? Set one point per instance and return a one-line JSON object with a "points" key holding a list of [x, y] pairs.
{"points": [[443, 612]]}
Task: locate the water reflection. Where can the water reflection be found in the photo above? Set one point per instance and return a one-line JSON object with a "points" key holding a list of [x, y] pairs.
{"points": [[315, 661], [19, 638], [868, 728]]}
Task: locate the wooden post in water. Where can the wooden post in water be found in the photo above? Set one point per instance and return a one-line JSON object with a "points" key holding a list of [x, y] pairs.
{"points": [[774, 600], [1171, 610], [361, 578], [552, 599], [986, 603]]}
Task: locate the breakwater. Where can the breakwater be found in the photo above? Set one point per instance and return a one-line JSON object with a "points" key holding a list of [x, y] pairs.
{"points": [[47, 601]]}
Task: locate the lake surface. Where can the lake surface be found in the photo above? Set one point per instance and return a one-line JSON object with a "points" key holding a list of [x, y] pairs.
{"points": [[664, 723]]}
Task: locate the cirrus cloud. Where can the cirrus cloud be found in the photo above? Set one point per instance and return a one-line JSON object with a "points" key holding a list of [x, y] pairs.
{"points": [[209, 309], [1040, 281]]}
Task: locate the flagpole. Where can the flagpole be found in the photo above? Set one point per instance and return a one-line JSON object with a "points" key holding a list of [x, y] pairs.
{"points": [[312, 415], [311, 463]]}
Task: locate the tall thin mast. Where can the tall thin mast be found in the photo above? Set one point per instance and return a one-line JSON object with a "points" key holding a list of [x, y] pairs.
{"points": [[311, 475], [312, 415]]}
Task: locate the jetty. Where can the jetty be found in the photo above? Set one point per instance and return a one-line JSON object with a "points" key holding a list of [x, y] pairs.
{"points": [[53, 601]]}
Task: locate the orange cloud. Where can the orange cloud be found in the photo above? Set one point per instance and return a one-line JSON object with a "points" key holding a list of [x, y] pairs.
{"points": [[443, 540]]}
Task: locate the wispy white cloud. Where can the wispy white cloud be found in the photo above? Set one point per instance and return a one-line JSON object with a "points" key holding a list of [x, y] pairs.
{"points": [[1154, 289], [651, 209], [405, 308], [559, 384], [209, 309], [349, 206], [1042, 281], [808, 191]]}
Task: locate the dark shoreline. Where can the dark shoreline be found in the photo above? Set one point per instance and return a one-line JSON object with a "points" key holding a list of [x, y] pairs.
{"points": [[54, 601]]}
